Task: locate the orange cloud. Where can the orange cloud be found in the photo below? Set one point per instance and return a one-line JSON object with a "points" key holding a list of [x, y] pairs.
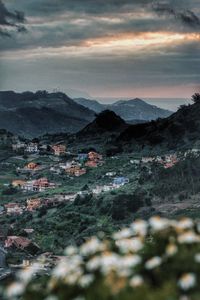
{"points": [[125, 40]]}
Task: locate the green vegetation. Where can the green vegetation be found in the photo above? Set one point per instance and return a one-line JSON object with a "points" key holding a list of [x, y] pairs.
{"points": [[154, 260]]}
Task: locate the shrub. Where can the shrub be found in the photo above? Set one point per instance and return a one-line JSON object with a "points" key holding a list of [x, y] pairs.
{"points": [[154, 260]]}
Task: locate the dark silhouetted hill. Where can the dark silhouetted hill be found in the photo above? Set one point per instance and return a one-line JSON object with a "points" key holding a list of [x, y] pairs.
{"points": [[33, 114]]}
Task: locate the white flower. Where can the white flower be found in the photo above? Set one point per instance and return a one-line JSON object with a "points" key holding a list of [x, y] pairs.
{"points": [[188, 238], [185, 223], [71, 250], [68, 267], [15, 289], [130, 261], [109, 262], [129, 245], [140, 227], [171, 249], [26, 274], [86, 280], [92, 246], [157, 223], [94, 263], [187, 281], [124, 233], [136, 281], [153, 263]]}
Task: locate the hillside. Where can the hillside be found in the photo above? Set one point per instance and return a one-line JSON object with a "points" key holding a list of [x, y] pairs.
{"points": [[106, 121], [32, 114], [179, 130], [129, 110]]}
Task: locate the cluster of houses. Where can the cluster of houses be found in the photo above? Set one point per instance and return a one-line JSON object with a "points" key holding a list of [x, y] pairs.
{"points": [[167, 161], [33, 204], [39, 185], [35, 147], [78, 166]]}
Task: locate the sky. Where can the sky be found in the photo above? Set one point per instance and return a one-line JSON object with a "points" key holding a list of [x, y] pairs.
{"points": [[101, 48]]}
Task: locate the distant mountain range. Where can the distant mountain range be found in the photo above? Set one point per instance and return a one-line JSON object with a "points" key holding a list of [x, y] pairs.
{"points": [[33, 114], [181, 129], [129, 110]]}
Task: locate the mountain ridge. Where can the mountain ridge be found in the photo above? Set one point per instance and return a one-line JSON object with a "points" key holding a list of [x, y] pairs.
{"points": [[129, 110], [33, 114]]}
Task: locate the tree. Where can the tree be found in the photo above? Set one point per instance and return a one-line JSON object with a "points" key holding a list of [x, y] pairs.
{"points": [[196, 98]]}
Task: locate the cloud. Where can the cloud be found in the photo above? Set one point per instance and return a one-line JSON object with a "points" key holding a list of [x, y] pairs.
{"points": [[185, 16], [10, 20]]}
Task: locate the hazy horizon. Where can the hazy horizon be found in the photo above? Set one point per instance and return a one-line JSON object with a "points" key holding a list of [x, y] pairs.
{"points": [[113, 48]]}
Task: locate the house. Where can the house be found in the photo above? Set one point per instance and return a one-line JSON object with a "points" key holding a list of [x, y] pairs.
{"points": [[111, 174], [147, 159], [97, 190], [32, 166], [42, 183], [91, 164], [21, 243], [33, 204], [13, 208], [75, 169], [18, 183], [94, 156], [168, 165], [39, 185], [119, 181], [18, 146], [59, 149], [135, 161], [32, 148], [80, 172], [29, 186]]}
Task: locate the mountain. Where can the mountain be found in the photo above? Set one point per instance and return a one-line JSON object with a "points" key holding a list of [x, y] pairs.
{"points": [[98, 134], [91, 104], [129, 110], [180, 130], [32, 114], [105, 122]]}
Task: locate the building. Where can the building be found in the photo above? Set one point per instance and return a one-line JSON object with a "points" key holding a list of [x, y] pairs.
{"points": [[18, 183], [111, 174], [21, 243], [32, 166], [94, 156], [120, 181], [91, 164], [33, 204], [32, 148], [59, 149], [135, 161], [39, 185], [18, 146], [147, 159], [80, 172], [13, 209]]}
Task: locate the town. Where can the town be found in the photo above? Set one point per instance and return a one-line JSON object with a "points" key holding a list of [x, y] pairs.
{"points": [[45, 177]]}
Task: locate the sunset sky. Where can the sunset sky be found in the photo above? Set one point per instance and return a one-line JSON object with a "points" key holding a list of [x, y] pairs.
{"points": [[106, 48]]}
